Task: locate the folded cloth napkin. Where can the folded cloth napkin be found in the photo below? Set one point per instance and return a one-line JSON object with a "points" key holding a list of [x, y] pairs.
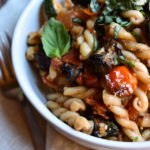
{"points": [[13, 131]]}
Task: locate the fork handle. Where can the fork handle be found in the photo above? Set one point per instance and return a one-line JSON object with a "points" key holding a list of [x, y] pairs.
{"points": [[35, 131]]}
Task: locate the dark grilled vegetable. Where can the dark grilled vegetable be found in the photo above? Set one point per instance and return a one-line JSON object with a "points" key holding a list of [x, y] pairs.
{"points": [[42, 60], [71, 72], [81, 2], [103, 62], [112, 129], [96, 131]]}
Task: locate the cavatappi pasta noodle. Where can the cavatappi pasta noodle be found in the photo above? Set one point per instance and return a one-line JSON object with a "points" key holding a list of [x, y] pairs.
{"points": [[94, 57]]}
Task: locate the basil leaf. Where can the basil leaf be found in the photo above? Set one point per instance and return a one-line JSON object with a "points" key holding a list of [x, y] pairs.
{"points": [[55, 39], [94, 5], [77, 20], [49, 9], [116, 31]]}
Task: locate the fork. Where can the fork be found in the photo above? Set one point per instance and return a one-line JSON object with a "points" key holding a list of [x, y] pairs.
{"points": [[8, 82]]}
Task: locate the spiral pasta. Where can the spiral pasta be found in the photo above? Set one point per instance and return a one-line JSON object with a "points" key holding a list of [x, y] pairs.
{"points": [[121, 115], [122, 34], [135, 16], [52, 73], [74, 104], [142, 73], [146, 134], [145, 121], [34, 38], [86, 45], [140, 103], [72, 118], [79, 92], [142, 51]]}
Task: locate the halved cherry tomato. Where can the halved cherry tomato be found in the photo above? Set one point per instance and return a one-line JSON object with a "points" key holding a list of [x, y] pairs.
{"points": [[121, 81]]}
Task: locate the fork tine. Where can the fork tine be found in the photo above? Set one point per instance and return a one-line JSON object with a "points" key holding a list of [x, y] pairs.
{"points": [[5, 73], [8, 40], [5, 55]]}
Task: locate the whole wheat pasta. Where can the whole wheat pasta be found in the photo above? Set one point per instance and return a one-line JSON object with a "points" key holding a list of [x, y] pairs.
{"points": [[122, 34], [72, 118], [73, 104], [135, 16], [113, 103]]}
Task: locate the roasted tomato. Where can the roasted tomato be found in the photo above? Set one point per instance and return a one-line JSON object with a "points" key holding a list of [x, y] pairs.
{"points": [[88, 80], [121, 81]]}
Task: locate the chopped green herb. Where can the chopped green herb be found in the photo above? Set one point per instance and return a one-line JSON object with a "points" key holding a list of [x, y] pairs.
{"points": [[116, 31], [55, 39], [111, 12], [122, 60], [49, 9], [95, 6], [77, 20], [95, 44], [135, 139], [137, 37]]}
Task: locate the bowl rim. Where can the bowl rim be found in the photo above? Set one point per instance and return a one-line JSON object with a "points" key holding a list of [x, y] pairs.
{"points": [[41, 108]]}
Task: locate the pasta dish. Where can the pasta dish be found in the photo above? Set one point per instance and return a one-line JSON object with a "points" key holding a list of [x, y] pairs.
{"points": [[95, 56]]}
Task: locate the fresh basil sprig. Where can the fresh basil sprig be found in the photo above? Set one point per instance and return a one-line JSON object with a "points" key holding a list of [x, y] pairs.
{"points": [[49, 9], [55, 39]]}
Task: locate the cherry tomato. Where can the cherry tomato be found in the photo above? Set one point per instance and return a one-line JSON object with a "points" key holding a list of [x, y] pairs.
{"points": [[121, 81]]}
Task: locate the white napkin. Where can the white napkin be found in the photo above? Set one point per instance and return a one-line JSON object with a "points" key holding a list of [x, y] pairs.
{"points": [[13, 132]]}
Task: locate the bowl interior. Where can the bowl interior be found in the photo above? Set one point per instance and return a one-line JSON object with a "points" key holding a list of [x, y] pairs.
{"points": [[29, 82]]}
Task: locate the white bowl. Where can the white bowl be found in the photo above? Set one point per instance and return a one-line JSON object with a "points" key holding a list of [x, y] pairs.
{"points": [[29, 21]]}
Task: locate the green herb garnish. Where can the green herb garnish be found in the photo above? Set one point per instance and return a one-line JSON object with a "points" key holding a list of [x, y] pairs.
{"points": [[55, 39], [135, 139], [95, 7], [116, 31], [137, 37], [78, 20], [49, 9], [123, 61], [96, 46]]}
